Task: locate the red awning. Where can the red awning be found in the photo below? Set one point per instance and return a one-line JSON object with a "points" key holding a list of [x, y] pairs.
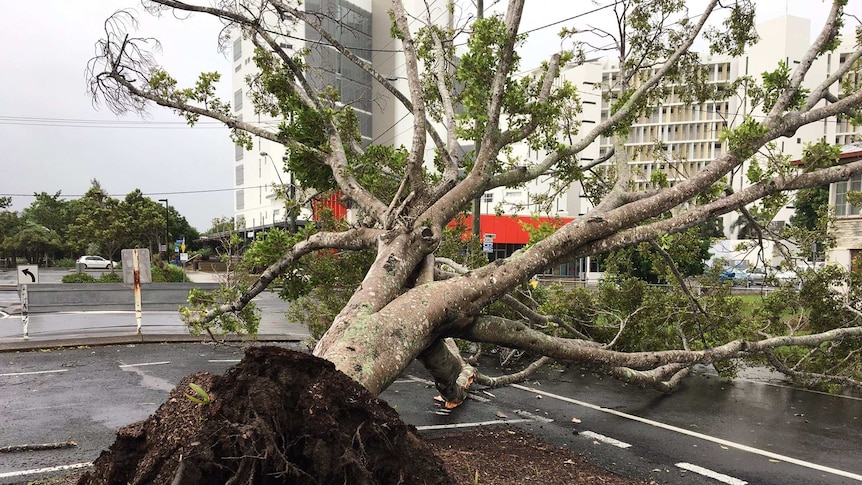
{"points": [[508, 229]]}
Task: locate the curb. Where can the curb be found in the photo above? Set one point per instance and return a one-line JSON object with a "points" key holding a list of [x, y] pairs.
{"points": [[133, 338]]}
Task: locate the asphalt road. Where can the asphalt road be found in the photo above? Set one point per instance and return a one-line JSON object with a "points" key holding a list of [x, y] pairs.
{"points": [[735, 433]]}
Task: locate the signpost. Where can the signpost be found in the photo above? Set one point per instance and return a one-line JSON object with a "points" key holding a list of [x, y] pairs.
{"points": [[488, 243], [136, 270], [28, 274]]}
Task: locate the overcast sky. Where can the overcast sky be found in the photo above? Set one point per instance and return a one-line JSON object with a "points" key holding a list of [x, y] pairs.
{"points": [[49, 139]]}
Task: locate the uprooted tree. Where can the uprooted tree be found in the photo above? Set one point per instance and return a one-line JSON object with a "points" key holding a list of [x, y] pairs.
{"points": [[410, 304]]}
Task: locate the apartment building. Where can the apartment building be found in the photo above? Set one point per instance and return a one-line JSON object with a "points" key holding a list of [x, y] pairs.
{"points": [[676, 138], [679, 139], [362, 25]]}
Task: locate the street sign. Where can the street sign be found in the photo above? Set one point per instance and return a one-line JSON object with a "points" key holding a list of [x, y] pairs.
{"points": [[28, 274], [488, 246], [489, 238], [143, 264], [184, 257]]}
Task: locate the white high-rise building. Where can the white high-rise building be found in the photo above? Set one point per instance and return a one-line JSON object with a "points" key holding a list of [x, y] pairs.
{"points": [[363, 26], [676, 138], [680, 139]]}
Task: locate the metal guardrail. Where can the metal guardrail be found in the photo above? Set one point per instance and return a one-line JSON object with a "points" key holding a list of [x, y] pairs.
{"points": [[51, 298], [65, 297]]}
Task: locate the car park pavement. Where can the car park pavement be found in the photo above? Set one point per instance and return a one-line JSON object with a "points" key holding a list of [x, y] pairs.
{"points": [[735, 432]]}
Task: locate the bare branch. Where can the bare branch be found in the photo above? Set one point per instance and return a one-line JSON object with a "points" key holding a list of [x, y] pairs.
{"points": [[509, 333], [513, 378]]}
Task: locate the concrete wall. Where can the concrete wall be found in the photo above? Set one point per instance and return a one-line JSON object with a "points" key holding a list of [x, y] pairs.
{"points": [[69, 297]]}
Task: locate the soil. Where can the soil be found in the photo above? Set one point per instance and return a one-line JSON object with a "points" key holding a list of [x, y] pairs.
{"points": [[282, 417]]}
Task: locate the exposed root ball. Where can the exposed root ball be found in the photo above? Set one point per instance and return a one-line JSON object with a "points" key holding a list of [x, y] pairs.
{"points": [[278, 417]]}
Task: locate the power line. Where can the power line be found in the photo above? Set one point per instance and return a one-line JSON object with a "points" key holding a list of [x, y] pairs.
{"points": [[150, 194]]}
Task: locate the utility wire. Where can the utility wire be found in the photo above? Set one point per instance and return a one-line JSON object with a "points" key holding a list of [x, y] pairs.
{"points": [[150, 194]]}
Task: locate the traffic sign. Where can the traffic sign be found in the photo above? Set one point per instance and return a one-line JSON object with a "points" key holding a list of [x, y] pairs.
{"points": [[28, 274], [488, 246]]}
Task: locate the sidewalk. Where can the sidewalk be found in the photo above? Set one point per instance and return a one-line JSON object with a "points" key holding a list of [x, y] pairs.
{"points": [[71, 329]]}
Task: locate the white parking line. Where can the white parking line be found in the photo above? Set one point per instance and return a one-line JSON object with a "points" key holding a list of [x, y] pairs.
{"points": [[224, 360], [471, 425], [605, 439], [123, 366], [33, 373], [730, 444], [782, 386], [711, 474], [37, 471]]}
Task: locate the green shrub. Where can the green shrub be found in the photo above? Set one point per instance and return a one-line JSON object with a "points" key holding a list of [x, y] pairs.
{"points": [[64, 263], [168, 274], [78, 278], [111, 278]]}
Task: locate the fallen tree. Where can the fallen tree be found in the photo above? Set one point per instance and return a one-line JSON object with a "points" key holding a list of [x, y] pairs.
{"points": [[408, 306]]}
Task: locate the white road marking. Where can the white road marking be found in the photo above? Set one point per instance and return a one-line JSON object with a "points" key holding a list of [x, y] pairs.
{"points": [[37, 471], [225, 360], [711, 474], [469, 425], [798, 389], [605, 439], [124, 366], [730, 444], [34, 372], [97, 312]]}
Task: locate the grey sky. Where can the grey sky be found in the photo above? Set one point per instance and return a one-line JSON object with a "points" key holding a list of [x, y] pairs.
{"points": [[47, 44], [46, 48]]}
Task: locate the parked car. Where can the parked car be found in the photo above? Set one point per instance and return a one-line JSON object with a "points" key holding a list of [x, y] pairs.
{"points": [[770, 275], [96, 262], [736, 276]]}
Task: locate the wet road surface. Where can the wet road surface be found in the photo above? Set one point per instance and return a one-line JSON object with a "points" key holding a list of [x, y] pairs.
{"points": [[710, 431]]}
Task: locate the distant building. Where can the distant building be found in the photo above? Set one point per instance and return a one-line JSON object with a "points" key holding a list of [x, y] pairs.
{"points": [[848, 219], [362, 25], [674, 138]]}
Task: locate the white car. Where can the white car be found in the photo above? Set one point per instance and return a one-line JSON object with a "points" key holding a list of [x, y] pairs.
{"points": [[96, 262]]}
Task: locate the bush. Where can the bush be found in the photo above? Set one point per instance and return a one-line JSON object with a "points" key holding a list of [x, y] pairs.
{"points": [[64, 263], [78, 278], [168, 274], [111, 278]]}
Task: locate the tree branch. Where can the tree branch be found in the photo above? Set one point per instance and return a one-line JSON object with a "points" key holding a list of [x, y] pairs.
{"points": [[356, 239], [509, 333]]}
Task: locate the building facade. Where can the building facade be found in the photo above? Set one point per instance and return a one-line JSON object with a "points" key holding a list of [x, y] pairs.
{"points": [[675, 138], [680, 139], [364, 27]]}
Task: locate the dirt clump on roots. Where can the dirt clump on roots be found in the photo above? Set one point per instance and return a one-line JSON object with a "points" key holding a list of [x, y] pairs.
{"points": [[277, 417]]}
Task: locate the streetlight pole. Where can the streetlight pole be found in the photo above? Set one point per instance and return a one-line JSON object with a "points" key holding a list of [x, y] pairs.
{"points": [[167, 230]]}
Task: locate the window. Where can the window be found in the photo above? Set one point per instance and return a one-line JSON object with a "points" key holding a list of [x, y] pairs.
{"points": [[842, 207], [238, 152], [240, 174], [240, 199], [488, 197], [237, 100], [237, 49]]}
